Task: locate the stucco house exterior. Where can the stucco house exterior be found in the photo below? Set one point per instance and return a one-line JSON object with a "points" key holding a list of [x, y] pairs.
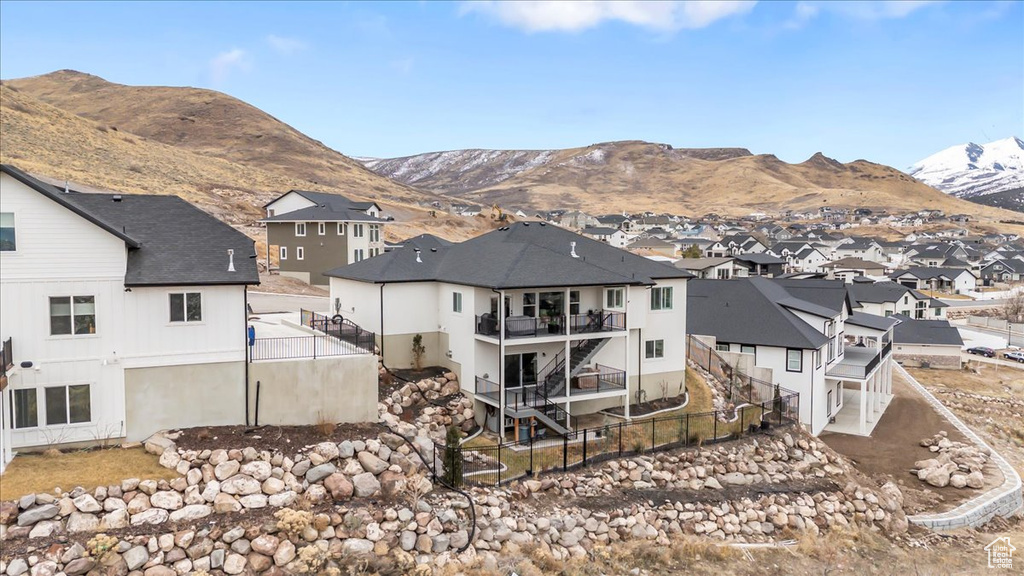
{"points": [[127, 314], [955, 280], [311, 232], [805, 336], [929, 343], [506, 309]]}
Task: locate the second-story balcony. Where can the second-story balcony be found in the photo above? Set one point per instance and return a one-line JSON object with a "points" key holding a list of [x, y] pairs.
{"points": [[858, 362], [593, 321]]}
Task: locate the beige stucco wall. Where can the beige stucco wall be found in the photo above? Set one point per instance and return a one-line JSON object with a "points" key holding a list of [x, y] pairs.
{"points": [[652, 384], [183, 396], [297, 392], [398, 351], [935, 356]]}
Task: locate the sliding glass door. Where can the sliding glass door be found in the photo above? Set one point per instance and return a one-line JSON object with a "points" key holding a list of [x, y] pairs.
{"points": [[520, 370]]}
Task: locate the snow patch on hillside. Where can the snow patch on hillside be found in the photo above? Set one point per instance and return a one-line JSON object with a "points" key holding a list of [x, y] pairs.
{"points": [[971, 170]]}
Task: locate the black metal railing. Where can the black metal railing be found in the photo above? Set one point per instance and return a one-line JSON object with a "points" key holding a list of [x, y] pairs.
{"points": [[295, 347], [340, 328], [597, 321], [887, 349], [6, 356], [604, 379], [739, 387], [497, 464], [521, 326]]}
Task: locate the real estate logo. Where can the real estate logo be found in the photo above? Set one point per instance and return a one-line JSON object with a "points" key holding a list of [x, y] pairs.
{"points": [[1000, 553]]}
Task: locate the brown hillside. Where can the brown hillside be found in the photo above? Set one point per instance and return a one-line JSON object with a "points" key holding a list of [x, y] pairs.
{"points": [[214, 124], [58, 145]]}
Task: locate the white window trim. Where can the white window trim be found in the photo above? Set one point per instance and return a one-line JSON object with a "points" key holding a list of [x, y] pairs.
{"points": [[662, 290], [300, 253], [186, 321], [457, 302], [622, 300], [321, 228], [67, 405], [13, 413], [14, 217], [71, 299], [299, 225], [341, 228], [800, 360], [654, 350], [282, 253]]}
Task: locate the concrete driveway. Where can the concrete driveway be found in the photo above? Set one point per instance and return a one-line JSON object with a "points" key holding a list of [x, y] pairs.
{"points": [[266, 303]]}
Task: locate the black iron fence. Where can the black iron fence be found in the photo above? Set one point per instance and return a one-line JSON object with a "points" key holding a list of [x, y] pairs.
{"points": [[738, 387], [342, 329], [295, 347], [597, 321], [491, 465], [528, 326]]}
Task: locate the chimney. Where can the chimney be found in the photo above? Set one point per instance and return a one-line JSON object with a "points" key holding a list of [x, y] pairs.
{"points": [[572, 250], [231, 260], [418, 259]]}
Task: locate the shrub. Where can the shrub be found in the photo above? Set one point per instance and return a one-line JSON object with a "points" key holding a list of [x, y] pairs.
{"points": [[293, 522], [418, 350], [324, 426], [99, 545], [451, 463]]}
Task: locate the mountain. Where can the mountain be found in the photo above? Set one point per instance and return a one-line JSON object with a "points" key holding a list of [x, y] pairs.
{"points": [[990, 173], [635, 175]]}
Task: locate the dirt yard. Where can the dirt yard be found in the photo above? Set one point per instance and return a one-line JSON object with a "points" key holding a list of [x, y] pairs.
{"points": [[894, 446], [277, 284], [287, 439], [30, 473]]}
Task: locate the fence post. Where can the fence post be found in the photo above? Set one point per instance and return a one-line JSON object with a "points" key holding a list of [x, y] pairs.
{"points": [[620, 439], [584, 446], [653, 421], [532, 472], [314, 346], [687, 441], [741, 422], [499, 465], [565, 453]]}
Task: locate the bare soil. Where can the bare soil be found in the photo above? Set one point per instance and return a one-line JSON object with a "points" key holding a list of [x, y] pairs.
{"points": [[894, 445], [277, 284], [645, 408], [287, 439], [627, 498]]}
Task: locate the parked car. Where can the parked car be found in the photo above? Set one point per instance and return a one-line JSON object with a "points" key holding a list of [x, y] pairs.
{"points": [[982, 351], [1017, 356]]}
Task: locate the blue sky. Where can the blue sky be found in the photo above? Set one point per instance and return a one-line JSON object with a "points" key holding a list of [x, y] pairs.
{"points": [[891, 82]]}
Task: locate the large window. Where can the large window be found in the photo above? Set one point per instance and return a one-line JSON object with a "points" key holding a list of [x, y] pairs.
{"points": [[654, 349], [72, 315], [358, 255], [24, 408], [374, 233], [68, 405], [357, 230], [817, 358], [614, 298], [7, 240], [457, 302], [300, 228], [186, 306], [661, 298], [794, 360]]}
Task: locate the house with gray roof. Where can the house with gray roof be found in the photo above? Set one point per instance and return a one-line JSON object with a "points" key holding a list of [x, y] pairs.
{"points": [[541, 324], [886, 298], [953, 280], [309, 232], [803, 335], [927, 343], [124, 314]]}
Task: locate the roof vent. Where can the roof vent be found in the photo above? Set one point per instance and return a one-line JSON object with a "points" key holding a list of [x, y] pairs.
{"points": [[572, 250], [433, 249], [526, 223], [418, 259], [116, 198], [231, 260], [543, 223]]}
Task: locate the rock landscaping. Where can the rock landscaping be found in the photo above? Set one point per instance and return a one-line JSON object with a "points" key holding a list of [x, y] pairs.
{"points": [[957, 464]]}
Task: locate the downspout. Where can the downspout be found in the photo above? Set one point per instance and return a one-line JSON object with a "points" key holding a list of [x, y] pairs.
{"points": [[501, 365], [248, 349], [639, 363], [382, 327]]}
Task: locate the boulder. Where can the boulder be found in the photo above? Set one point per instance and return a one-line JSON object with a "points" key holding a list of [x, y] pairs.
{"points": [[166, 499], [82, 522], [226, 469], [356, 546], [339, 487], [86, 503], [135, 557], [365, 485], [318, 473], [191, 512], [150, 516], [33, 515], [258, 469], [241, 485]]}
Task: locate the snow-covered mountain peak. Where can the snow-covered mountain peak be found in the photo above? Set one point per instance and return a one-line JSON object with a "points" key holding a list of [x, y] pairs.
{"points": [[971, 170]]}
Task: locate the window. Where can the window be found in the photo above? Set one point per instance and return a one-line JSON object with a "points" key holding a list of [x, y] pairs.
{"points": [[300, 228], [457, 302], [661, 298], [817, 358], [794, 360], [374, 233], [614, 298], [654, 349], [7, 240], [300, 253], [374, 252], [574, 301], [828, 404], [722, 274], [938, 311], [24, 410], [186, 307], [321, 228], [357, 230], [72, 315], [744, 349], [341, 228], [282, 253], [358, 255], [530, 304], [68, 405], [722, 347]]}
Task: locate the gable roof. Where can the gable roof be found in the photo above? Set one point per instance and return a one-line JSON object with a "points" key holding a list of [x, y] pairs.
{"points": [[865, 320], [923, 273], [759, 258], [753, 311], [701, 263], [940, 332], [517, 256], [170, 242], [326, 208], [334, 201]]}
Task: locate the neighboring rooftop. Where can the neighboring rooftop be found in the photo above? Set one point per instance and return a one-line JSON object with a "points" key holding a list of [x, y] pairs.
{"points": [[934, 332]]}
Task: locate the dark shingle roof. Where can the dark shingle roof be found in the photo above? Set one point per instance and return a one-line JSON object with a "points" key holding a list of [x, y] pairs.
{"points": [[170, 242], [749, 311], [910, 331], [760, 258], [923, 273], [517, 256]]}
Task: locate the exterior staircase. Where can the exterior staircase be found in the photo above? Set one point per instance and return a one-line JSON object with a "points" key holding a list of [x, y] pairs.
{"points": [[579, 356]]}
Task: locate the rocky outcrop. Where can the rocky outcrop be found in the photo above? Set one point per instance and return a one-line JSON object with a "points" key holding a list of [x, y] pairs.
{"points": [[956, 464]]}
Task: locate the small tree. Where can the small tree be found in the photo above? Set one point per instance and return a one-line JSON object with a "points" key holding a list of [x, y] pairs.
{"points": [[418, 349], [451, 461], [692, 252], [1013, 308]]}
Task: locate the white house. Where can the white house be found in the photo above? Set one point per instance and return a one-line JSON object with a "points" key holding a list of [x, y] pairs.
{"points": [[506, 309], [955, 280], [890, 299], [804, 336], [126, 314], [612, 236]]}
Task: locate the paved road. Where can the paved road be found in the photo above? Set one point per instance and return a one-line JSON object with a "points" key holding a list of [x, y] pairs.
{"points": [[998, 361], [1016, 339], [974, 303], [264, 303]]}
